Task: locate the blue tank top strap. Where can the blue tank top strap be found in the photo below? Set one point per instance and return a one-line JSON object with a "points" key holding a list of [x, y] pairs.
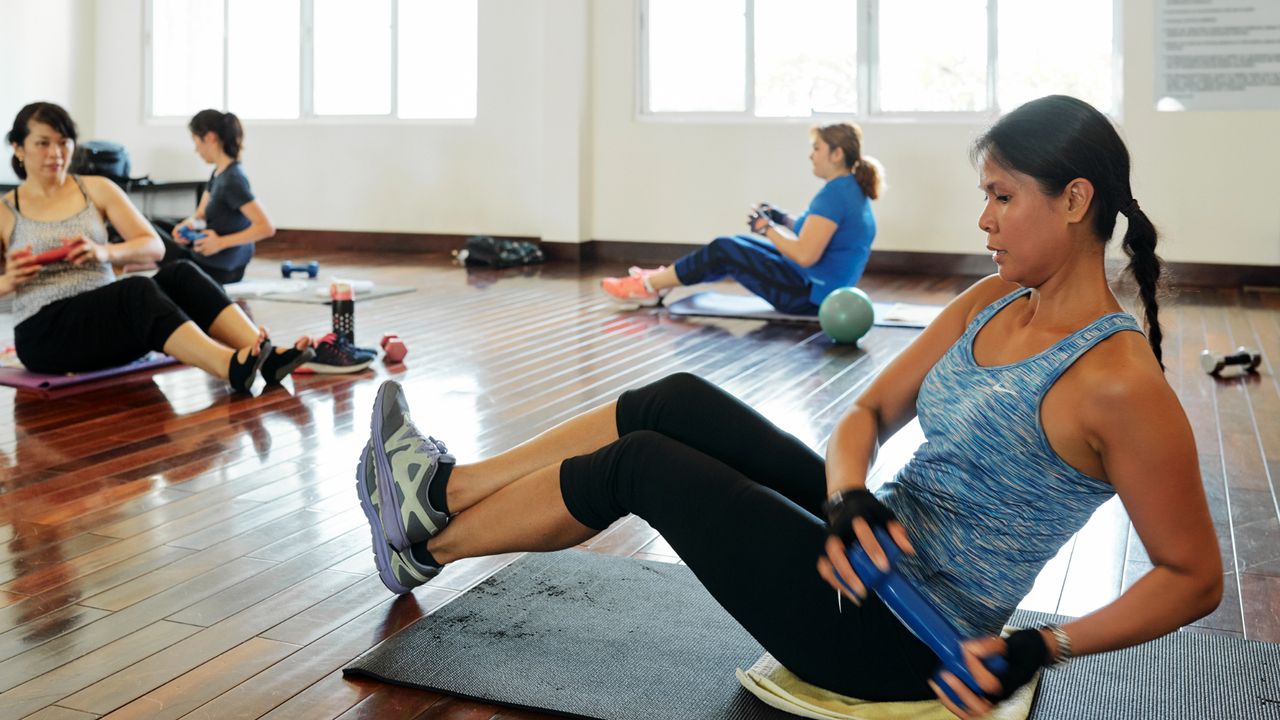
{"points": [[989, 311], [1083, 340]]}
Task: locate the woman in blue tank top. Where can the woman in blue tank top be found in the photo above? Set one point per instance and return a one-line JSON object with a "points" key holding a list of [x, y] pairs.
{"points": [[792, 262], [1039, 399]]}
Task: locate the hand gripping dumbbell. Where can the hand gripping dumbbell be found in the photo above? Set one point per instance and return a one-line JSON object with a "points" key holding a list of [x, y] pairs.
{"points": [[289, 267], [189, 234], [1213, 363], [393, 348], [921, 618]]}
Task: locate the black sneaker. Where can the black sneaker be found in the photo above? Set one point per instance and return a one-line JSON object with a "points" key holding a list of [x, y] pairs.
{"points": [[335, 356]]}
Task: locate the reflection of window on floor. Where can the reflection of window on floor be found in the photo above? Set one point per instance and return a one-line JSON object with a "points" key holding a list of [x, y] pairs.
{"points": [[290, 59], [798, 58]]}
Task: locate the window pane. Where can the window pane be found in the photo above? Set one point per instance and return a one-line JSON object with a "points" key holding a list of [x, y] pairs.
{"points": [[262, 58], [352, 57], [933, 54], [186, 56], [1074, 59], [697, 55], [438, 58], [806, 57]]}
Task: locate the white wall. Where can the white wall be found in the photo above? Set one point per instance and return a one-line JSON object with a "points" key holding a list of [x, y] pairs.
{"points": [[46, 53], [1208, 180], [420, 177], [559, 152]]}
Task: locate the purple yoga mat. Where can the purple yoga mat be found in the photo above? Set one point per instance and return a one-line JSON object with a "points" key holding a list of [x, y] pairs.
{"points": [[17, 377]]}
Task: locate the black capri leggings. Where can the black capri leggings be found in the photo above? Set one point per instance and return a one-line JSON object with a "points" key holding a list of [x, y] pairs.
{"points": [[740, 500], [118, 323]]}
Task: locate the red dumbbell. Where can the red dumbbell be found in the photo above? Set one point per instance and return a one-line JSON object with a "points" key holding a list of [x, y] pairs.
{"points": [[53, 256], [393, 348]]}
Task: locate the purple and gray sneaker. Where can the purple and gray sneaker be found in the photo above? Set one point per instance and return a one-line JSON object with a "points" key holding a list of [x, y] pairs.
{"points": [[401, 572], [406, 464]]}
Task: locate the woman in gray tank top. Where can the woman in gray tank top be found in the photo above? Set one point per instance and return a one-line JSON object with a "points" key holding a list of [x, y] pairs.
{"points": [[71, 314]]}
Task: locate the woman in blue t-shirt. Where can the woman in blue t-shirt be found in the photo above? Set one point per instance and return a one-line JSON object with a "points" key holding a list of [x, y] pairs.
{"points": [[794, 263], [220, 235]]}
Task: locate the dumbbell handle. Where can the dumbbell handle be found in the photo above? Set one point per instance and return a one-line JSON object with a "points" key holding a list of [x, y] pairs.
{"points": [[1213, 363], [920, 617]]}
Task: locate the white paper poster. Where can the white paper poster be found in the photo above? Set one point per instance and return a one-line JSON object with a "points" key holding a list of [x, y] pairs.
{"points": [[1217, 54]]}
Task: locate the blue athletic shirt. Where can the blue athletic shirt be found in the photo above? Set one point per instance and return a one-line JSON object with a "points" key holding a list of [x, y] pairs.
{"points": [[986, 500], [842, 202], [228, 192]]}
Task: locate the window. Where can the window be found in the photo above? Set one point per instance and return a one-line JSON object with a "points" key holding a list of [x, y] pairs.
{"points": [[291, 59], [803, 58]]}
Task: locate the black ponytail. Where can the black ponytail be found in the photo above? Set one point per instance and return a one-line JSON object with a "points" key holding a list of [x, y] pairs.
{"points": [[224, 125], [1057, 139], [1145, 266]]}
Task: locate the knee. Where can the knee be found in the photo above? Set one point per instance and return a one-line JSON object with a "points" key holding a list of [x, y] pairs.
{"points": [[722, 246], [177, 269], [680, 385], [139, 288]]}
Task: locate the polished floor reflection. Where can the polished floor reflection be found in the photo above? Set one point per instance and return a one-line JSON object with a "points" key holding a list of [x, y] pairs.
{"points": [[170, 550]]}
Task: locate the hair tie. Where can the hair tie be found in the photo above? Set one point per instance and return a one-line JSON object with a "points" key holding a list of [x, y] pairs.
{"points": [[1129, 208]]}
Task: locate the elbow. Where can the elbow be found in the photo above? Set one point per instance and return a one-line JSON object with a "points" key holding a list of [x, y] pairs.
{"points": [[155, 249], [1210, 595], [268, 231], [806, 260]]}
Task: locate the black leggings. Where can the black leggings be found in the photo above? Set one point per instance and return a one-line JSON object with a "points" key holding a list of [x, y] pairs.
{"points": [[173, 253], [739, 500], [118, 323]]}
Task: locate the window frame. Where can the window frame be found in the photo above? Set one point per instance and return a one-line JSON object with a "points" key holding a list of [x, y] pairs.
{"points": [[306, 77], [868, 57]]}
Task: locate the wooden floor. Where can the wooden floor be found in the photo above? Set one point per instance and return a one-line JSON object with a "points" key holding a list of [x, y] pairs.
{"points": [[171, 550]]}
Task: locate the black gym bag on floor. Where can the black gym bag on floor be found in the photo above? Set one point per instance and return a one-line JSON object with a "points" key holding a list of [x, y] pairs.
{"points": [[501, 253]]}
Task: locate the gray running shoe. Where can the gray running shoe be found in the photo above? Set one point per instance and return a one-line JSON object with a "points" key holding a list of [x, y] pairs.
{"points": [[400, 572], [406, 464]]}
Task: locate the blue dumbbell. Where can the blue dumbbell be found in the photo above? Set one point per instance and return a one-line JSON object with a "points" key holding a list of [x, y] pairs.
{"points": [[921, 618], [288, 268], [189, 234]]}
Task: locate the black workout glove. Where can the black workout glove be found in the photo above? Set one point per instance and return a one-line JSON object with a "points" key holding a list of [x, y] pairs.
{"points": [[1026, 652], [777, 215], [843, 507]]}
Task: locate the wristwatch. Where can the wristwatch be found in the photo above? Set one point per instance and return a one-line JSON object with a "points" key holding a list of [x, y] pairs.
{"points": [[1063, 655]]}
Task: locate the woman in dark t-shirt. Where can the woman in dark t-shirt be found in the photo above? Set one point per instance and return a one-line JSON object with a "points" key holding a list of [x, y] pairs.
{"points": [[220, 235]]}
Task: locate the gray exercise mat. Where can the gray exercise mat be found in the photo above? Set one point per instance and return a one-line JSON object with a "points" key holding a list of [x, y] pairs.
{"points": [[1186, 675], [597, 636], [583, 635], [750, 307]]}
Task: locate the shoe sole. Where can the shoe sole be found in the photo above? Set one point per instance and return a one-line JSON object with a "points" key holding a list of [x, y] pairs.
{"points": [[381, 550], [392, 527], [642, 302]]}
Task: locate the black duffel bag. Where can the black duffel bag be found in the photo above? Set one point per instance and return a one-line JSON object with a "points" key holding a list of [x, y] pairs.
{"points": [[500, 253], [105, 158]]}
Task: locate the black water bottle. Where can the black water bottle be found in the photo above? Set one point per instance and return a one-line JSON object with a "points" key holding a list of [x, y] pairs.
{"points": [[343, 299]]}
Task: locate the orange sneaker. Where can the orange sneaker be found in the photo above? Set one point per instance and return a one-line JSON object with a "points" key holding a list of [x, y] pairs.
{"points": [[630, 289]]}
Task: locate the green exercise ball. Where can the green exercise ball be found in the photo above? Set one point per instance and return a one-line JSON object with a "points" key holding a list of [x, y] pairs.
{"points": [[846, 315]]}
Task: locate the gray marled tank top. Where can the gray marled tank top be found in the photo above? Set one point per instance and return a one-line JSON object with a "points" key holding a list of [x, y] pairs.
{"points": [[61, 279]]}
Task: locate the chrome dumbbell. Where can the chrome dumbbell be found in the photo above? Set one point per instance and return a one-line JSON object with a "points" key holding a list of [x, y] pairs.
{"points": [[1214, 363]]}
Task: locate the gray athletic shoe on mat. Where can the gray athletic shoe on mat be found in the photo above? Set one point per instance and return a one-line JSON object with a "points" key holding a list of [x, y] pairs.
{"points": [[400, 572], [406, 463]]}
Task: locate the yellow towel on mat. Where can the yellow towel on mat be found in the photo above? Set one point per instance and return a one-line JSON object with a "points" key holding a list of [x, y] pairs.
{"points": [[777, 687]]}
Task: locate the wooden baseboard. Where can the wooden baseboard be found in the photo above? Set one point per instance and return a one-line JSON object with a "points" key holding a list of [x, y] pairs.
{"points": [[651, 253]]}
